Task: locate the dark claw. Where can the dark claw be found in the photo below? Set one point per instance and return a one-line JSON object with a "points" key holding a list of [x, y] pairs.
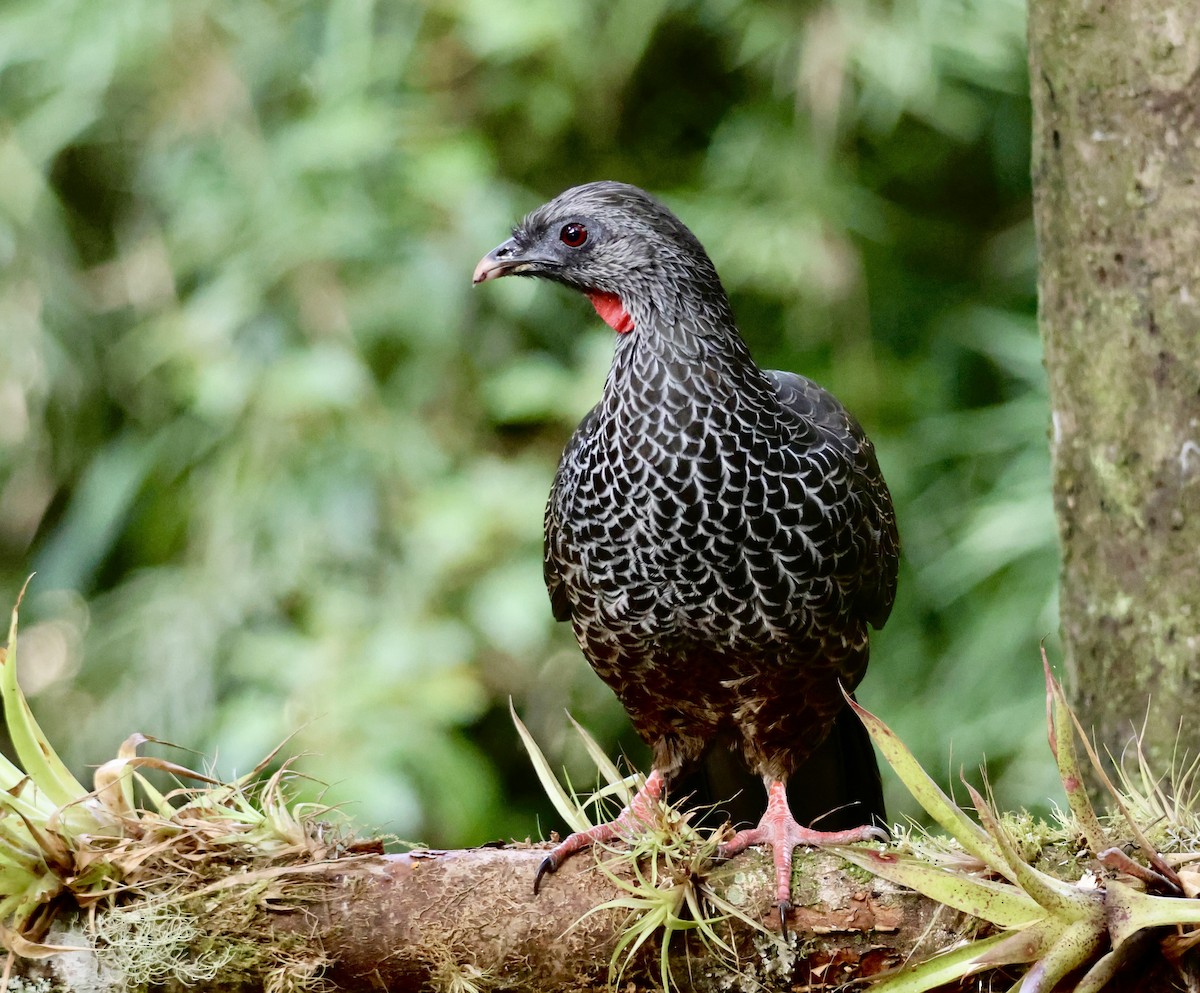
{"points": [[548, 865], [784, 910]]}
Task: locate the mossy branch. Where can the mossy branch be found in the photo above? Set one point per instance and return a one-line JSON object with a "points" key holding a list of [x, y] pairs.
{"points": [[466, 921]]}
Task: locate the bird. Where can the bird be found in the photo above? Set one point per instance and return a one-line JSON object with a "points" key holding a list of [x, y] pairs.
{"points": [[719, 536]]}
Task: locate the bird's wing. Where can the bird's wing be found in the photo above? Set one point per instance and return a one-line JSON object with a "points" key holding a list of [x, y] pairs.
{"points": [[879, 561], [559, 603], [567, 469]]}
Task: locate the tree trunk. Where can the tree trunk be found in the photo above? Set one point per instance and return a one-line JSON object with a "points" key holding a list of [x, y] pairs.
{"points": [[1116, 99]]}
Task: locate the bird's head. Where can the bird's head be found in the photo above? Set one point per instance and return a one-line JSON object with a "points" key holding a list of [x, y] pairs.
{"points": [[616, 244]]}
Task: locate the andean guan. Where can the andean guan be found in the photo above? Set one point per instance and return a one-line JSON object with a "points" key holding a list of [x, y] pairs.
{"points": [[719, 536]]}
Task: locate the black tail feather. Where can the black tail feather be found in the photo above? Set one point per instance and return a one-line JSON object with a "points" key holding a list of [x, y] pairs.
{"points": [[837, 788], [840, 779]]}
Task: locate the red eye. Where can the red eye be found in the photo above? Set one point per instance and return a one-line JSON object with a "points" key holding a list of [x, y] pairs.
{"points": [[573, 235]]}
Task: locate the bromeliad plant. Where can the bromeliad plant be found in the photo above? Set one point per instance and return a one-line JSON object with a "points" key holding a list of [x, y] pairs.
{"points": [[63, 846], [664, 875], [1055, 927], [1091, 924]]}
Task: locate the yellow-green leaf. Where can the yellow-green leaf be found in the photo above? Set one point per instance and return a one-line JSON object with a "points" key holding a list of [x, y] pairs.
{"points": [[1001, 904]]}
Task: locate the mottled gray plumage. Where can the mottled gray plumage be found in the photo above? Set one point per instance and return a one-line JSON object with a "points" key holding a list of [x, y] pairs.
{"points": [[719, 536]]}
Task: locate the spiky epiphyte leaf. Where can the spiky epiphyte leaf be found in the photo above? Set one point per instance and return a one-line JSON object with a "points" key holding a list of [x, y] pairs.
{"points": [[661, 871], [1168, 804], [1056, 925], [1060, 899], [1108, 965], [1131, 911], [1061, 731], [41, 763], [606, 767], [1001, 904], [928, 794], [58, 839], [939, 970], [568, 807], [1150, 852], [664, 876]]}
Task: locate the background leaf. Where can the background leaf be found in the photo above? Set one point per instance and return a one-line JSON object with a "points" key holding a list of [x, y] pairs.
{"points": [[279, 467]]}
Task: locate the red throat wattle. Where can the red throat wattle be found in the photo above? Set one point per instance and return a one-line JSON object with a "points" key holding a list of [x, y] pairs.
{"points": [[612, 311]]}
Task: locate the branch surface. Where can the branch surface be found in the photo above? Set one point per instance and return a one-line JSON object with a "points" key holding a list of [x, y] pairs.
{"points": [[468, 921]]}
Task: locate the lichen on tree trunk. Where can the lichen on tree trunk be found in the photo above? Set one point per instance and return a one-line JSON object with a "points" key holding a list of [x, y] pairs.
{"points": [[1116, 99]]}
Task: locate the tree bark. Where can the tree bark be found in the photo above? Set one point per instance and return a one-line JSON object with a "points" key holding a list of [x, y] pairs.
{"points": [[1116, 99]]}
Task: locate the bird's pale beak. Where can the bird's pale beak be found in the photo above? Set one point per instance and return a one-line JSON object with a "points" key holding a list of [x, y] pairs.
{"points": [[500, 261]]}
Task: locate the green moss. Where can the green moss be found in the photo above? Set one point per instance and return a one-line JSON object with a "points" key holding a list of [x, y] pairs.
{"points": [[808, 866], [857, 873]]}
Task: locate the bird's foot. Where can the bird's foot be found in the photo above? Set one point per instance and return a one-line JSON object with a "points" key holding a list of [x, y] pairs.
{"points": [[779, 829], [637, 816]]}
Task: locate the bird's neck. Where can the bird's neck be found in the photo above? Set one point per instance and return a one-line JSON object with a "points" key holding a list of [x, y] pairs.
{"points": [[697, 352]]}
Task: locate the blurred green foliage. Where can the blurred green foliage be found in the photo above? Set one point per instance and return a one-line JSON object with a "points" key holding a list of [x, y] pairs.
{"points": [[280, 470]]}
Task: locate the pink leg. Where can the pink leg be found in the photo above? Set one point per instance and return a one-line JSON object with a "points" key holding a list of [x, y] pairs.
{"points": [[778, 828], [637, 816]]}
